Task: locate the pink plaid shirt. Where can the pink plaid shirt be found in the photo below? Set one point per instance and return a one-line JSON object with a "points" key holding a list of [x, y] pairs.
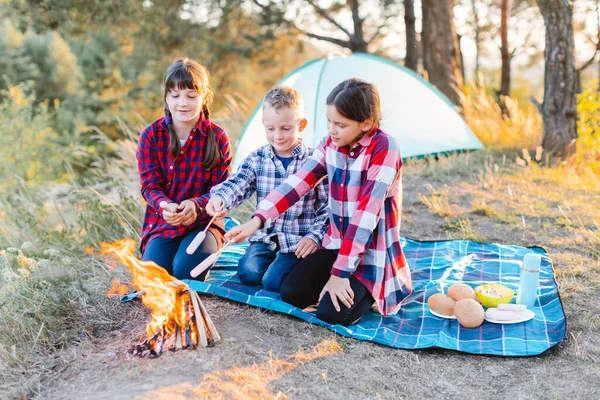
{"points": [[365, 206]]}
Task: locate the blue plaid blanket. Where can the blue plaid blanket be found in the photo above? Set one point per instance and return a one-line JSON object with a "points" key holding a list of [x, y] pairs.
{"points": [[435, 265]]}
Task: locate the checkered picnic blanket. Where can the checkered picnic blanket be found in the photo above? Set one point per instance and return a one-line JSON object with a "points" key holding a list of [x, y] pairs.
{"points": [[435, 265]]}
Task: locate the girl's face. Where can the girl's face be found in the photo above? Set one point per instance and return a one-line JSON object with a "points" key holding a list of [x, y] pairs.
{"points": [[344, 131], [185, 105]]}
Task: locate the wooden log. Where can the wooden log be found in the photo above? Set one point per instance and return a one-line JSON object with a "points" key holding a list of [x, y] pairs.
{"points": [[200, 327], [179, 298], [209, 324], [178, 344]]}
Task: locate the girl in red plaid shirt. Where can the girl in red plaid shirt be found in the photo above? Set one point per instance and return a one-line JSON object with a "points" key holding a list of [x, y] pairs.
{"points": [[361, 261], [180, 158]]}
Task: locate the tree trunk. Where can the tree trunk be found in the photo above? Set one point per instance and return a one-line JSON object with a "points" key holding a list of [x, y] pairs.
{"points": [[504, 50], [559, 110], [441, 58], [477, 38], [358, 42], [412, 47], [461, 55]]}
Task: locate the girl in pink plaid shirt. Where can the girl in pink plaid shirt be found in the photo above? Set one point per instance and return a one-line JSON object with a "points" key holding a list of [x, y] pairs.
{"points": [[361, 261]]}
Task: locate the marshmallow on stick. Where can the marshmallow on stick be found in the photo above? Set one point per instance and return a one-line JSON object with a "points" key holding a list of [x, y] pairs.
{"points": [[208, 261]]}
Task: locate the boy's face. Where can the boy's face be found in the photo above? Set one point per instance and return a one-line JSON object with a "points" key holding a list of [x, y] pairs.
{"points": [[282, 127]]}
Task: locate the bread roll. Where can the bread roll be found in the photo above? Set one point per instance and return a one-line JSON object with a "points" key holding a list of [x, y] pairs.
{"points": [[469, 313], [460, 291], [441, 304]]}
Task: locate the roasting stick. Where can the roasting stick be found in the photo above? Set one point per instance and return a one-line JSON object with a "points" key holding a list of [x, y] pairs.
{"points": [[208, 261], [200, 237]]}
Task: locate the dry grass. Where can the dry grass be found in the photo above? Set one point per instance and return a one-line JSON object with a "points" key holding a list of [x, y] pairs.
{"points": [[483, 114], [258, 357], [499, 195], [437, 202]]}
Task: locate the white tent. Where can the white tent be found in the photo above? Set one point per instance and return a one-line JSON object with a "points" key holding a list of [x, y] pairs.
{"points": [[418, 115]]}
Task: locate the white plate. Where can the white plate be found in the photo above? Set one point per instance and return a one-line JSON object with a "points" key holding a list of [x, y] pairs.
{"points": [[442, 315], [527, 315]]}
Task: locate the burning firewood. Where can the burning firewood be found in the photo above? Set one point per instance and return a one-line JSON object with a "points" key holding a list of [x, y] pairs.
{"points": [[178, 318], [197, 330]]}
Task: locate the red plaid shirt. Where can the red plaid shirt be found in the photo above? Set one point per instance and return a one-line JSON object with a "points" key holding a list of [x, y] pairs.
{"points": [[165, 179]]}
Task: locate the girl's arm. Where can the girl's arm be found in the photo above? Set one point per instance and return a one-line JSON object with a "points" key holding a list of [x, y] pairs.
{"points": [[285, 195], [294, 187], [152, 178], [383, 172], [221, 171], [238, 187]]}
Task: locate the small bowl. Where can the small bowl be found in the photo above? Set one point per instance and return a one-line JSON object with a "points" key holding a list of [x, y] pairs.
{"points": [[506, 295]]}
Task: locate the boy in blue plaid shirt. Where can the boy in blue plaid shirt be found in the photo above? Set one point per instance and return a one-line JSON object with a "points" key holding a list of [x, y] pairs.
{"points": [[280, 244]]}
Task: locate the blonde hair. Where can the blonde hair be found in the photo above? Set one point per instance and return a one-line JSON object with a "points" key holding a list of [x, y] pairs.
{"points": [[284, 96]]}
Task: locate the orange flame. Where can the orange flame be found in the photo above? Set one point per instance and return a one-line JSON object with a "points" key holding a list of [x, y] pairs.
{"points": [[160, 289], [117, 288]]}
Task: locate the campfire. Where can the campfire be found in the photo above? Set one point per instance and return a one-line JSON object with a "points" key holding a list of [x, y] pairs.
{"points": [[178, 317]]}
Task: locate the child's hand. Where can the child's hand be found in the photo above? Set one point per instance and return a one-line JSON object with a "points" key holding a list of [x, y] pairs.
{"points": [[170, 213], [188, 212], [306, 247], [242, 232], [338, 288], [215, 206]]}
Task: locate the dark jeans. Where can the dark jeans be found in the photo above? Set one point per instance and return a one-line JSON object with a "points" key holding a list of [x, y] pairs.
{"points": [[170, 253], [262, 265], [303, 285]]}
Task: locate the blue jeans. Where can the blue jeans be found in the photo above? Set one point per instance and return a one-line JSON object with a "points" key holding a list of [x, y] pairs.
{"points": [[170, 253], [261, 265]]}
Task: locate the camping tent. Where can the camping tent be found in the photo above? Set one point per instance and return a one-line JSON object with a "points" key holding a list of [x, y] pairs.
{"points": [[419, 116]]}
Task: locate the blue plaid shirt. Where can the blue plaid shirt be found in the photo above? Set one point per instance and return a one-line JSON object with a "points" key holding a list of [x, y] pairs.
{"points": [[261, 172]]}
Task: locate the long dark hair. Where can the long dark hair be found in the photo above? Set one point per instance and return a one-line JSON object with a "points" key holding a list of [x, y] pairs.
{"points": [[188, 74], [357, 100]]}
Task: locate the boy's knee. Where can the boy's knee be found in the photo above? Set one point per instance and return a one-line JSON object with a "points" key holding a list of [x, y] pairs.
{"points": [[250, 271], [272, 283], [248, 276]]}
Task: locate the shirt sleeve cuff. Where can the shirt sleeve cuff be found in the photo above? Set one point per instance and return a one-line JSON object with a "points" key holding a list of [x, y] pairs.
{"points": [[201, 202], [259, 214], [314, 238], [341, 274], [224, 200]]}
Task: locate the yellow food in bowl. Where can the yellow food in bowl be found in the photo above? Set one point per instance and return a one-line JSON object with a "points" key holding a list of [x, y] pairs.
{"points": [[492, 294]]}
